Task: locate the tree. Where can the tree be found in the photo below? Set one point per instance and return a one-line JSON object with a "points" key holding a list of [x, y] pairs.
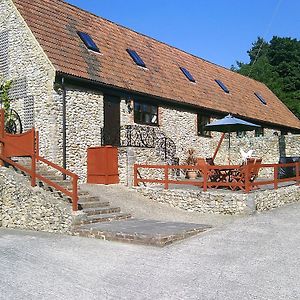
{"points": [[277, 64]]}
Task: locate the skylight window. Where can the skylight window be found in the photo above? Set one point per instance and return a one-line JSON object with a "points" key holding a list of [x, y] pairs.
{"points": [[260, 97], [187, 74], [222, 86], [88, 41], [136, 58]]}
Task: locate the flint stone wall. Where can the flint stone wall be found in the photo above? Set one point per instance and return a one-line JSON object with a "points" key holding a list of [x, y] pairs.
{"points": [[25, 63], [223, 202], [24, 207]]}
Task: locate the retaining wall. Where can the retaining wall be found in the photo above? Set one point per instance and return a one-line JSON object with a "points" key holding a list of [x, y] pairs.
{"points": [[223, 202], [25, 207]]}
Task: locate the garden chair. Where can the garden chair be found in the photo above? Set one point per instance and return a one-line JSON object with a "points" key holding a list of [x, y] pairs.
{"points": [[213, 174], [239, 175]]}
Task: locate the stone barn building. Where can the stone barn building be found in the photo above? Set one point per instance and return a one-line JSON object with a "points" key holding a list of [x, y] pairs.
{"points": [[84, 81]]}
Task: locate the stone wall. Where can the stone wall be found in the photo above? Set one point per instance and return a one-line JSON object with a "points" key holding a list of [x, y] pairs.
{"points": [[223, 202], [84, 121], [33, 75], [22, 206]]}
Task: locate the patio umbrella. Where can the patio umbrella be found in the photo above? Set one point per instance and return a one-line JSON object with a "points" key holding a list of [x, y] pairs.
{"points": [[230, 124]]}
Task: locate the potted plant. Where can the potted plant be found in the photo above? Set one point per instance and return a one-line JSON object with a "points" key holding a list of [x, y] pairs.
{"points": [[191, 160]]}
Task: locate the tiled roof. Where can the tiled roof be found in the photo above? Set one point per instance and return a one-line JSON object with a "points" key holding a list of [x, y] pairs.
{"points": [[55, 24]]}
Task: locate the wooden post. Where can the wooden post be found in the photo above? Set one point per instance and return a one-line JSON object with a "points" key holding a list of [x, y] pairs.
{"points": [[1, 134], [297, 172], [247, 179], [33, 162], [75, 193], [205, 177], [166, 177], [275, 176], [37, 144], [135, 179], [219, 145]]}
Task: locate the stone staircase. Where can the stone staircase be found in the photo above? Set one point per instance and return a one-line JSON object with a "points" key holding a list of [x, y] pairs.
{"points": [[96, 218], [93, 209]]}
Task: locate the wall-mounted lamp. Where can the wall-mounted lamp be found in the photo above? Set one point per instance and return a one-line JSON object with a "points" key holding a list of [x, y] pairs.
{"points": [[129, 103]]}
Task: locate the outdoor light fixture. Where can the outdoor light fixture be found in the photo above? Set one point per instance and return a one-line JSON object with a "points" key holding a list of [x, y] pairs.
{"points": [[129, 103]]}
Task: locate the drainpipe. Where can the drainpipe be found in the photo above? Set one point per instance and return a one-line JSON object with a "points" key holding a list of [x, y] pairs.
{"points": [[64, 126]]}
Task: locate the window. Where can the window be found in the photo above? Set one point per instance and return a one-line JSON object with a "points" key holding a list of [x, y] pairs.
{"points": [[145, 113], [88, 41], [203, 120], [222, 86], [259, 132], [261, 99], [136, 58], [241, 134], [187, 74]]}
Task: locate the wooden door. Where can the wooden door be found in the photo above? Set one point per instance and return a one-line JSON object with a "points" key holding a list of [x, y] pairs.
{"points": [[111, 131]]}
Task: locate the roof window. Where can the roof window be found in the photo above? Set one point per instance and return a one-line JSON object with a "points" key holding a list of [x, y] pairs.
{"points": [[88, 41], [187, 74], [136, 58], [260, 97], [222, 85]]}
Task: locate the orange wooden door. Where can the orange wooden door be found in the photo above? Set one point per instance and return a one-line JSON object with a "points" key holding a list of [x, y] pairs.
{"points": [[102, 165]]}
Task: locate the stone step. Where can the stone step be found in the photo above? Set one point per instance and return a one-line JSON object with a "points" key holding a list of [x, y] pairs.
{"points": [[83, 193], [106, 218], [101, 210], [63, 183], [88, 198], [145, 232], [91, 204]]}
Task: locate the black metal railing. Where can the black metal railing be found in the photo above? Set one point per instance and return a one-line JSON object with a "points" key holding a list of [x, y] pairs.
{"points": [[142, 137]]}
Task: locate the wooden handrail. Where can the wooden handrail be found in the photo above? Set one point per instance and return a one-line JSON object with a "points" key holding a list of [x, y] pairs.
{"points": [[54, 166], [33, 152], [74, 194]]}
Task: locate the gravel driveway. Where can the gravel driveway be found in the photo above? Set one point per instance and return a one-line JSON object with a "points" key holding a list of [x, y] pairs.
{"points": [[255, 257]]}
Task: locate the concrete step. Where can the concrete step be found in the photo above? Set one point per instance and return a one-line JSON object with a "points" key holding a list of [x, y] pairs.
{"points": [[106, 218], [92, 204], [101, 210]]}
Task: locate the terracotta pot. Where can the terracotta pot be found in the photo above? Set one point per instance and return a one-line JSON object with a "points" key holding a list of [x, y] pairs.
{"points": [[191, 174]]}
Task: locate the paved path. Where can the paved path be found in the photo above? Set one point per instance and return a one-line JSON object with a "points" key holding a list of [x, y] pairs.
{"points": [[256, 257]]}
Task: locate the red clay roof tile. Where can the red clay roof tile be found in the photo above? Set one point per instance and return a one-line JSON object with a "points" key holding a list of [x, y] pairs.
{"points": [[55, 24]]}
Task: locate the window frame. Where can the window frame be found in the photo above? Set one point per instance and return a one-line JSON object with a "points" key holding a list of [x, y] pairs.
{"points": [[141, 120], [188, 74], [136, 58], [201, 125], [259, 132], [241, 134], [88, 41], [222, 86]]}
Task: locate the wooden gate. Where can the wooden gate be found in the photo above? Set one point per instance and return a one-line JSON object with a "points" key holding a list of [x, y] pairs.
{"points": [[102, 165]]}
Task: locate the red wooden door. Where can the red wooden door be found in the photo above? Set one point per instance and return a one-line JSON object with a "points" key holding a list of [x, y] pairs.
{"points": [[102, 165]]}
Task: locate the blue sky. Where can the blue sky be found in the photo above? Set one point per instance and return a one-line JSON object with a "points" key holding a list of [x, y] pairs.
{"points": [[220, 31]]}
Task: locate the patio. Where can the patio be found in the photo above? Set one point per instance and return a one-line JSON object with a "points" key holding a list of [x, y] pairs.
{"points": [[220, 195]]}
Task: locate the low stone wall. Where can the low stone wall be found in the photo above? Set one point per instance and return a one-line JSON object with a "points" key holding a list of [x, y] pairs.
{"points": [[22, 206], [223, 202], [269, 199]]}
